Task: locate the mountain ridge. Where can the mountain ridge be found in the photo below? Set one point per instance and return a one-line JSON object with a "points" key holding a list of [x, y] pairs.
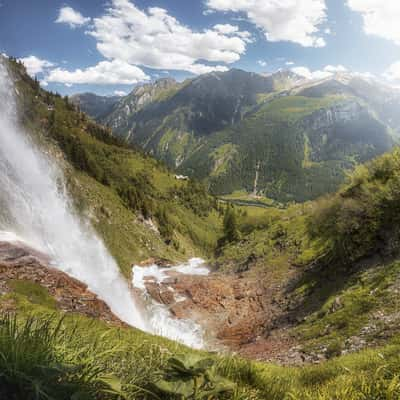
{"points": [[217, 127]]}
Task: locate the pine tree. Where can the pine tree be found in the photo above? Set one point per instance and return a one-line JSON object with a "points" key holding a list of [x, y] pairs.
{"points": [[231, 232]]}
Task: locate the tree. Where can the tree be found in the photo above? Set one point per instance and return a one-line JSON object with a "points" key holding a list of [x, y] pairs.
{"points": [[231, 232]]}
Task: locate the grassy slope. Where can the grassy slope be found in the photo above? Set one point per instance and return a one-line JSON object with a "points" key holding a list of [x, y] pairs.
{"points": [[92, 358], [343, 250]]}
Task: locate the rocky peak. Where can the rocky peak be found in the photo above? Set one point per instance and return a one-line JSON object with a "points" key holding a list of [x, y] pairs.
{"points": [[159, 84]]}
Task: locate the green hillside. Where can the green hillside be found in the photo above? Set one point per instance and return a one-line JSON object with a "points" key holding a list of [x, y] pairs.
{"points": [[338, 259], [134, 201], [296, 158]]}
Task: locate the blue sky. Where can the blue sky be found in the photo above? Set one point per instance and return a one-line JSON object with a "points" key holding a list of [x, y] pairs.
{"points": [[109, 46]]}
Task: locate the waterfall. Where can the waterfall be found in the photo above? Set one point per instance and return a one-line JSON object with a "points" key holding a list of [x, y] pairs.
{"points": [[34, 206]]}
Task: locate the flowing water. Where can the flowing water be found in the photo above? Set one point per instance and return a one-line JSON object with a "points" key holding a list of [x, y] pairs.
{"points": [[159, 317], [36, 209]]}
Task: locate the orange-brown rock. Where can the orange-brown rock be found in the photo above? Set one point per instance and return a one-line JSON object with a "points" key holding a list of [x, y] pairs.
{"points": [[20, 262], [233, 309]]}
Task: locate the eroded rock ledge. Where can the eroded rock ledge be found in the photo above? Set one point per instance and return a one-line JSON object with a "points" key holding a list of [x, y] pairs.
{"points": [[20, 262]]}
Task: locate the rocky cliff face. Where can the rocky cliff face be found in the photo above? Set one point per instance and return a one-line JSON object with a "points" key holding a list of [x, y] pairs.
{"points": [[337, 113], [119, 116]]}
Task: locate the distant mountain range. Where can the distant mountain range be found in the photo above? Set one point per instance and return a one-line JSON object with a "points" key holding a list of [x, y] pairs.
{"points": [[277, 135]]}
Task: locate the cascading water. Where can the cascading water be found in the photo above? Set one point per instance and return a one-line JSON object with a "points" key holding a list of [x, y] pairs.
{"points": [[35, 207], [159, 317]]}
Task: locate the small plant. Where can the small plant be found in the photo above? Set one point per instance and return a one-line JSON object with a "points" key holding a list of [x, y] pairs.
{"points": [[192, 377], [334, 349]]}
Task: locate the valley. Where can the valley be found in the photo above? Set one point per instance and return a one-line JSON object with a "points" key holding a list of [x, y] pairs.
{"points": [[300, 137], [284, 285]]}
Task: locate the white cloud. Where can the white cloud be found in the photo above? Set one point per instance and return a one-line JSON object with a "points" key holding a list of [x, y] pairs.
{"points": [[262, 63], [380, 17], [326, 72], [393, 72], [73, 18], [289, 63], [120, 93], [295, 21], [154, 39], [104, 73], [35, 65], [226, 29], [335, 68]]}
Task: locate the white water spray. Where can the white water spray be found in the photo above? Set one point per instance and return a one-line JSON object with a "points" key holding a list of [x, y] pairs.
{"points": [[35, 207], [160, 320]]}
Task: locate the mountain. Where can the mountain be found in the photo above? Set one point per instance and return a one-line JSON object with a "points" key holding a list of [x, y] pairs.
{"points": [[95, 106], [278, 135], [298, 285]]}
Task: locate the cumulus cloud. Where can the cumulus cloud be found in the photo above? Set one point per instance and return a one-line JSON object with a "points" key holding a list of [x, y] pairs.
{"points": [[35, 65], [296, 21], [73, 18], [262, 63], [154, 39], [120, 93], [104, 73], [326, 72], [380, 18]]}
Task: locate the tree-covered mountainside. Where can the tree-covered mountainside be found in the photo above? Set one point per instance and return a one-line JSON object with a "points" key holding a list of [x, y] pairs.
{"points": [[136, 204], [278, 135], [94, 105]]}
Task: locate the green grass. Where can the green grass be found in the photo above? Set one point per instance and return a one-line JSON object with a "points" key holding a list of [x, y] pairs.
{"points": [[345, 305], [292, 108], [222, 157], [34, 292], [45, 355]]}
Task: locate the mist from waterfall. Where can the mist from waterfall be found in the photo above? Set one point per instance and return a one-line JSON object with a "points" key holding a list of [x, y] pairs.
{"points": [[34, 206]]}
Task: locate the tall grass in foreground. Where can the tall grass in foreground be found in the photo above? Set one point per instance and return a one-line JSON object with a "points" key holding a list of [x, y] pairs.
{"points": [[40, 360], [45, 358]]}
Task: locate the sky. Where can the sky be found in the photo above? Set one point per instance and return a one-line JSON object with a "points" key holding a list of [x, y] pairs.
{"points": [[109, 46]]}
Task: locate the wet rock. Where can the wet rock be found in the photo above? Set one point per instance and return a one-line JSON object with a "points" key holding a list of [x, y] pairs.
{"points": [[231, 307]]}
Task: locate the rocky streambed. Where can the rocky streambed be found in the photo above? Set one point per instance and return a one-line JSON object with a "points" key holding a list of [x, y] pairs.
{"points": [[186, 302], [236, 312]]}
